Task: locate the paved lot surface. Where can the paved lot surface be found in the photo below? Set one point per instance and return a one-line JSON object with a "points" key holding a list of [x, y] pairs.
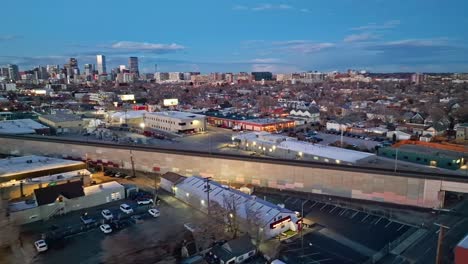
{"points": [[148, 242], [331, 138], [341, 234]]}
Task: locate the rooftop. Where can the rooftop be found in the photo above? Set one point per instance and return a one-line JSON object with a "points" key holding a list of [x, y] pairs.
{"points": [[20, 126], [68, 190], [433, 151], [113, 185], [61, 118], [18, 165], [176, 114], [289, 143], [265, 210]]}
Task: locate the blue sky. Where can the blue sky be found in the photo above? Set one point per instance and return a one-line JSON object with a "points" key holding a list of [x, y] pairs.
{"points": [[248, 35]]}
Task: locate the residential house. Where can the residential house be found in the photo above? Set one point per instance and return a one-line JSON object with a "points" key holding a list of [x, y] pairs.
{"points": [[169, 180], [234, 251]]}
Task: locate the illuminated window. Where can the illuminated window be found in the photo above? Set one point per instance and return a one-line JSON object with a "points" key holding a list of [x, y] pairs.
{"points": [[326, 160]]}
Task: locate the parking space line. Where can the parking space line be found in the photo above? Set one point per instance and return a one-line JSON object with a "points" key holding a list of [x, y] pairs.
{"points": [[308, 255], [323, 207], [357, 212], [290, 250], [342, 212], [378, 221], [400, 228], [333, 209], [364, 219], [390, 222], [322, 260], [285, 201], [313, 204], [295, 201]]}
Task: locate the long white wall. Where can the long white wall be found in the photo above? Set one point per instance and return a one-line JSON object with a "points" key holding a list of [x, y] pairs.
{"points": [[350, 184]]}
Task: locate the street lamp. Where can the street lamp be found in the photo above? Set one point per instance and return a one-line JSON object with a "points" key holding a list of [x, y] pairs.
{"points": [[142, 125]]}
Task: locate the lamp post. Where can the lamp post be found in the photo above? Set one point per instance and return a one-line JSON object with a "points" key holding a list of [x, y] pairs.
{"points": [[302, 227]]}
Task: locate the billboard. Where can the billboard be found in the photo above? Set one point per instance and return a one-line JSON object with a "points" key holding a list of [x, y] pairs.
{"points": [[127, 97], [170, 102]]}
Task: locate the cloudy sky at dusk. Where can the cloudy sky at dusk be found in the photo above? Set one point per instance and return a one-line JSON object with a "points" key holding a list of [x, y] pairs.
{"points": [[249, 35]]}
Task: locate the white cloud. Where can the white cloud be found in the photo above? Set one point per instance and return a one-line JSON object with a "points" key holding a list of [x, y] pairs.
{"points": [[7, 37], [275, 68], [265, 60], [360, 37], [374, 26], [145, 46], [303, 46], [265, 7]]}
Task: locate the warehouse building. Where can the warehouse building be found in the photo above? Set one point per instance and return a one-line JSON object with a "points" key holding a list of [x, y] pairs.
{"points": [[64, 198], [63, 123], [175, 122], [245, 122], [429, 156], [270, 219], [23, 127], [290, 148]]}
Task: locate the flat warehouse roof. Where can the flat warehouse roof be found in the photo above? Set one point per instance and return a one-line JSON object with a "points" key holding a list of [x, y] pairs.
{"points": [[20, 126], [19, 165], [176, 114]]}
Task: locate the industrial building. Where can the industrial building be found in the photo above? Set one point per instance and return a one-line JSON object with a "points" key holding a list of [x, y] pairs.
{"points": [[64, 198], [19, 168], [243, 122], [63, 123], [175, 122], [287, 147], [20, 176], [429, 156], [23, 127], [270, 219]]}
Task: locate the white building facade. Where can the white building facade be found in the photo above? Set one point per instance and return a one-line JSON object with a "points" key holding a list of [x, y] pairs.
{"points": [[175, 122]]}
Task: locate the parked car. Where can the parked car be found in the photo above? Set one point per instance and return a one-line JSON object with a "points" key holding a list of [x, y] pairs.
{"points": [[41, 245], [144, 201], [118, 174], [126, 208], [109, 173], [129, 177], [105, 228], [107, 214], [154, 212], [137, 219], [86, 219]]}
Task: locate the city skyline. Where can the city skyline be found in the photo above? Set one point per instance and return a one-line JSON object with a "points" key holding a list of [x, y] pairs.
{"points": [[276, 36]]}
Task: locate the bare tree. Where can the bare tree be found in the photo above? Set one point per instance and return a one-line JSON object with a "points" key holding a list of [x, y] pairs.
{"points": [[254, 224], [231, 207]]}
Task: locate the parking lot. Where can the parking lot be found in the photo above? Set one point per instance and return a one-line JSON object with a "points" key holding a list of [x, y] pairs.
{"points": [[153, 239], [360, 143], [340, 234]]}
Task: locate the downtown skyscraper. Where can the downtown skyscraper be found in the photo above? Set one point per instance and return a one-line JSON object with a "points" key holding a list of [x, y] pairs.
{"points": [[101, 64], [133, 65]]}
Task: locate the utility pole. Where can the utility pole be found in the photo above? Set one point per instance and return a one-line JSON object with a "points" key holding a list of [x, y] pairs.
{"points": [[207, 190], [439, 256], [302, 228], [396, 160], [133, 164]]}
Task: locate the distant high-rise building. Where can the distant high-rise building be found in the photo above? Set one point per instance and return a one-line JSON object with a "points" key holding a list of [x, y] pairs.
{"points": [[417, 78], [122, 68], [133, 65], [101, 64], [13, 72], [88, 69], [73, 62], [161, 76], [176, 76], [258, 76], [4, 72]]}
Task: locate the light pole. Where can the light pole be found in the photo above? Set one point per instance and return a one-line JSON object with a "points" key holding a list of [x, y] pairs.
{"points": [[396, 160], [439, 242], [302, 228]]}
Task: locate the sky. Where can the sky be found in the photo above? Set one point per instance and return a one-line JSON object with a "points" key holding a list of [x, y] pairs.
{"points": [[244, 35]]}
